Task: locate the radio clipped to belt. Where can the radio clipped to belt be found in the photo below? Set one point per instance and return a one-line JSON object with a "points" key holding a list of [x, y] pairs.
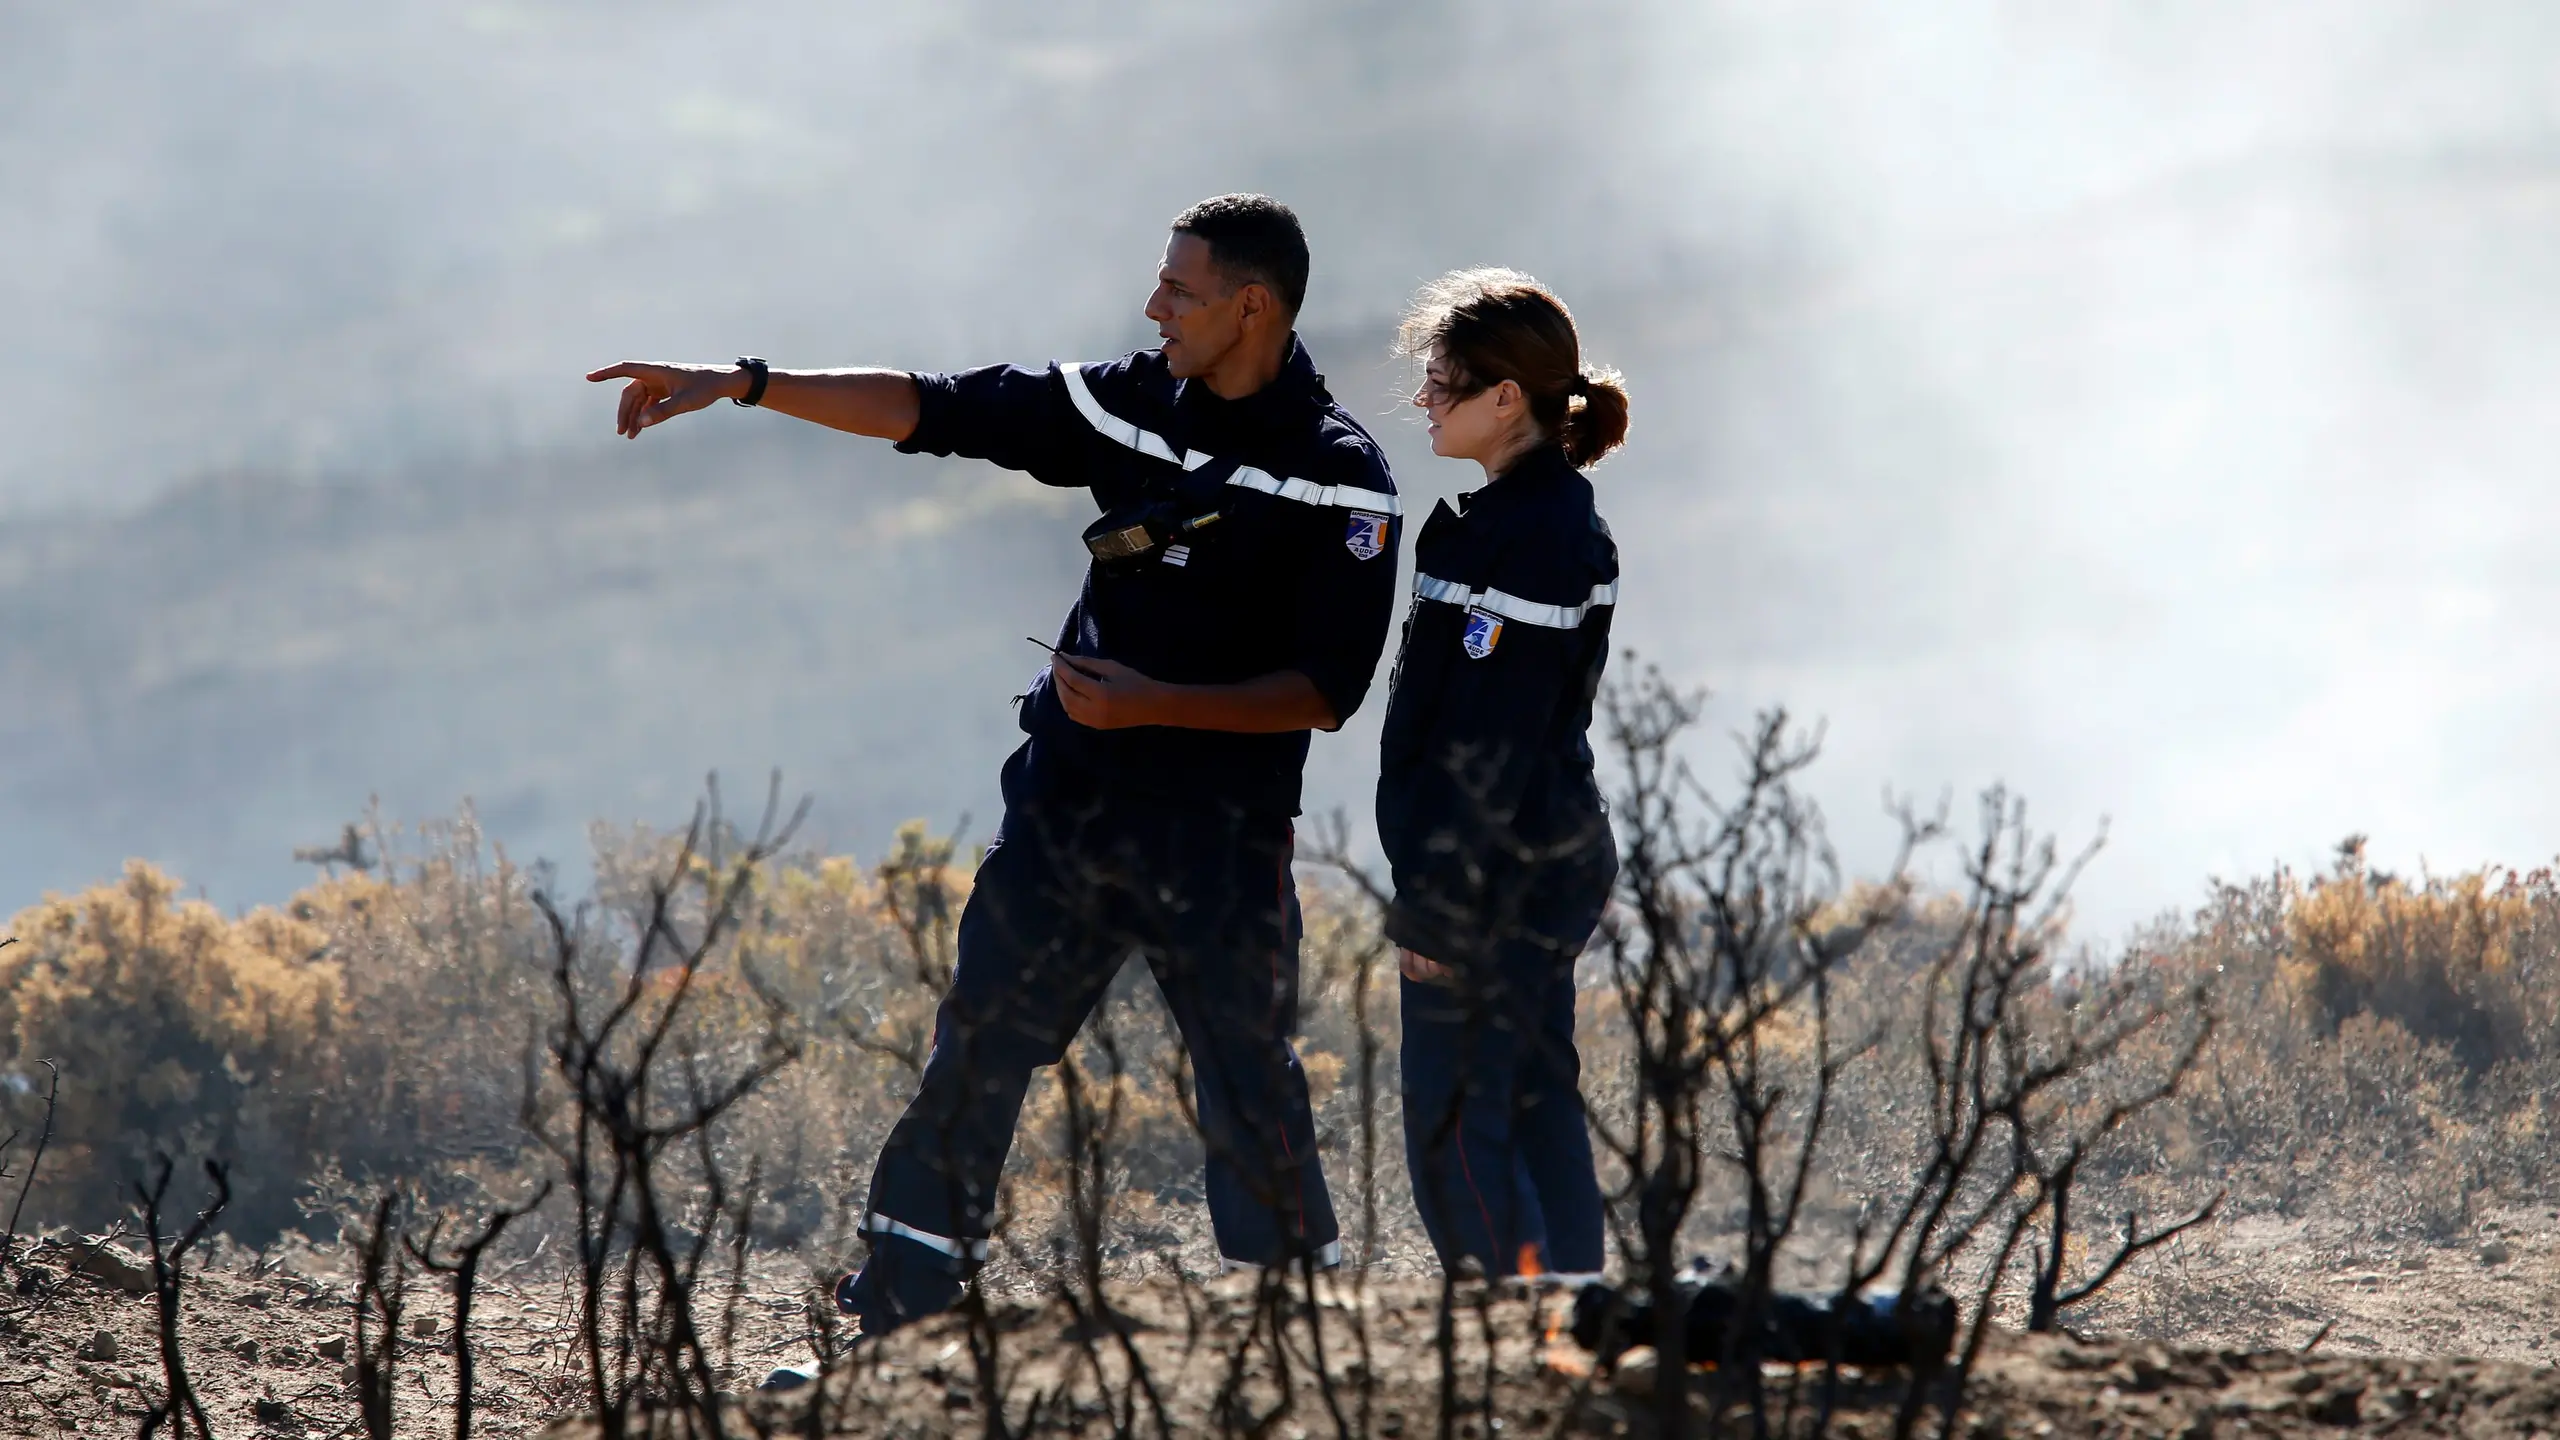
{"points": [[1132, 533]]}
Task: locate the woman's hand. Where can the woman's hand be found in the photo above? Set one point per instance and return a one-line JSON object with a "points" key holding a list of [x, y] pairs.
{"points": [[1103, 694], [1415, 967]]}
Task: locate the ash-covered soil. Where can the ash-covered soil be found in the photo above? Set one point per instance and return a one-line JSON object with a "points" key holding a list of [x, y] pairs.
{"points": [[2043, 1385], [1062, 1377], [270, 1351], [2411, 1339], [2270, 1282]]}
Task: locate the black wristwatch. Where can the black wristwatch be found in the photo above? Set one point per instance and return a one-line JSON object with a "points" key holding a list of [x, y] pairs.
{"points": [[757, 374]]}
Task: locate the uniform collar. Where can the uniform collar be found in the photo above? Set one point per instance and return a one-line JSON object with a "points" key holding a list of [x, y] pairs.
{"points": [[1534, 471], [1276, 408]]}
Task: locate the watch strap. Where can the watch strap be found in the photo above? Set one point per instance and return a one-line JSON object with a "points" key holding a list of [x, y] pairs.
{"points": [[757, 374]]}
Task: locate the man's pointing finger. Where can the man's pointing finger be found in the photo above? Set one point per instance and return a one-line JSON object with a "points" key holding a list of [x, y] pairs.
{"points": [[623, 371]]}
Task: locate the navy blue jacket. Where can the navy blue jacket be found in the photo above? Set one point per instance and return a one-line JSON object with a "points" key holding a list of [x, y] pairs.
{"points": [[1486, 770], [1298, 573]]}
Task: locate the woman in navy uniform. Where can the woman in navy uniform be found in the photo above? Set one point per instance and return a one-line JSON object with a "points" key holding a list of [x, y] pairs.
{"points": [[1492, 820]]}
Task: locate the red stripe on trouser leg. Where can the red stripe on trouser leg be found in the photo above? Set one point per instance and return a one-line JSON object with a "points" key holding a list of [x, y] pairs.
{"points": [[1280, 894]]}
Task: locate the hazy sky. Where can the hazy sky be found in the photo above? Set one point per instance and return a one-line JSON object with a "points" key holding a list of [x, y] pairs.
{"points": [[2148, 404]]}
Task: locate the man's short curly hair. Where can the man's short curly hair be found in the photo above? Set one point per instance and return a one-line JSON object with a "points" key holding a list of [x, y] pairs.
{"points": [[1252, 238]]}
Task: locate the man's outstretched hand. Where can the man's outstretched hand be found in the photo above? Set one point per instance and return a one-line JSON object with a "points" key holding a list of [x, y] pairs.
{"points": [[882, 403], [659, 393]]}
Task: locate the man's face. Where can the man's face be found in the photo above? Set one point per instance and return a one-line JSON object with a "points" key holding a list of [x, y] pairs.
{"points": [[1197, 313]]}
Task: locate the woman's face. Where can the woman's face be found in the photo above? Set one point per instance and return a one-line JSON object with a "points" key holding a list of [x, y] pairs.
{"points": [[1468, 427]]}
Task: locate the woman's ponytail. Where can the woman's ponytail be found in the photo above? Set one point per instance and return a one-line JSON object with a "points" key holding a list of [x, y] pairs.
{"points": [[1595, 419]]}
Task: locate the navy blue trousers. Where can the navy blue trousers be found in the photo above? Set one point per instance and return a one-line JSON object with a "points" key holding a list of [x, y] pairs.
{"points": [[1068, 892], [1494, 1138]]}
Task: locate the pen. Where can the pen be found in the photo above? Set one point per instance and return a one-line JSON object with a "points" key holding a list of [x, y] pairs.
{"points": [[1057, 653]]}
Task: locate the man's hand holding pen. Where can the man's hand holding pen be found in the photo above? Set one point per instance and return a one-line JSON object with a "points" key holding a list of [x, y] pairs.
{"points": [[1102, 694]]}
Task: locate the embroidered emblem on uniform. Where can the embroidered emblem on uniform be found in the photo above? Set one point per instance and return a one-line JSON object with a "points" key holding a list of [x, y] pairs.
{"points": [[1482, 632], [1367, 535], [1177, 554]]}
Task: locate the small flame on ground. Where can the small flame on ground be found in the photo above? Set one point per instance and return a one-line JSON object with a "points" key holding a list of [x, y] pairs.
{"points": [[1558, 1353], [1563, 1357]]}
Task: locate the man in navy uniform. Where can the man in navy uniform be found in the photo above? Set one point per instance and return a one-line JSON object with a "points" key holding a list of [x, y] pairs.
{"points": [[1241, 587]]}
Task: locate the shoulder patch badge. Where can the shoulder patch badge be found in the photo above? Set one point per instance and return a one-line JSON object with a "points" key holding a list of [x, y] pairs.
{"points": [[1367, 535], [1481, 634]]}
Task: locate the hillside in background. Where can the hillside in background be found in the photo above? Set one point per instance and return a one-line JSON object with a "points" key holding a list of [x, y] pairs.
{"points": [[234, 669]]}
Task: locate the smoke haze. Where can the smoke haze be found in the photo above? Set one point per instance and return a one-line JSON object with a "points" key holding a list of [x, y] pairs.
{"points": [[2144, 404]]}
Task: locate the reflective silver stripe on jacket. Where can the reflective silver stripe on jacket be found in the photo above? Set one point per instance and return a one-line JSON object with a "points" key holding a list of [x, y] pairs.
{"points": [[1512, 607], [1145, 442], [1149, 443], [879, 1224], [1349, 497]]}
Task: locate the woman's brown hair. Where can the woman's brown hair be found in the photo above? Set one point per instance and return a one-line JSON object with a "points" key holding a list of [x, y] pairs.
{"points": [[1493, 325]]}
